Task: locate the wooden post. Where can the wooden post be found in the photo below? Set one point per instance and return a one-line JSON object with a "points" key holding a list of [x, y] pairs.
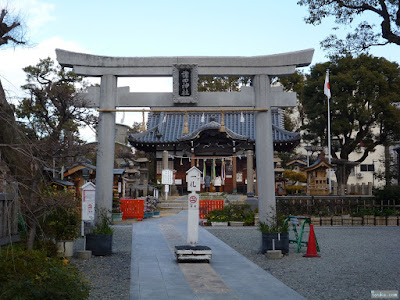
{"points": [[193, 161], [234, 187]]}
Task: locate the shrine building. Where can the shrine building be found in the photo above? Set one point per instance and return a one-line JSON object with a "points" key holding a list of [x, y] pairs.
{"points": [[216, 143]]}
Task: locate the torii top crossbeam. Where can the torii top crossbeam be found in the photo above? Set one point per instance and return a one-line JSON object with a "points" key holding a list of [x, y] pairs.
{"points": [[94, 65]]}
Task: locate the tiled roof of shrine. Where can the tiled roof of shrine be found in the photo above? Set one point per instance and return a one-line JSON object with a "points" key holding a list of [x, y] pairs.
{"points": [[168, 127]]}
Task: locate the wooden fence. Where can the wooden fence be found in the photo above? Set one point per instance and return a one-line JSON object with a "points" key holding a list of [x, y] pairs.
{"points": [[352, 189], [207, 206], [331, 205], [9, 209]]}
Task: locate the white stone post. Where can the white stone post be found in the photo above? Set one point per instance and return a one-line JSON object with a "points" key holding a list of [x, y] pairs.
{"points": [[106, 143], [264, 150], [164, 167], [250, 174]]}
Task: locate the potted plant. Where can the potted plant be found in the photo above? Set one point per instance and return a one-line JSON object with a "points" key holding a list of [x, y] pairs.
{"points": [[347, 220], [391, 217], [250, 219], [218, 217], [274, 235], [237, 213], [100, 240], [336, 220], [380, 218], [368, 216], [326, 220], [357, 218], [315, 220], [63, 224]]}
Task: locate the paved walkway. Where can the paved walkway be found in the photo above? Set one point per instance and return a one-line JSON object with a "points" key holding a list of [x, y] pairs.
{"points": [[155, 273]]}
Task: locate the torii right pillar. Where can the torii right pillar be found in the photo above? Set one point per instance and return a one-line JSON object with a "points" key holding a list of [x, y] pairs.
{"points": [[264, 150]]}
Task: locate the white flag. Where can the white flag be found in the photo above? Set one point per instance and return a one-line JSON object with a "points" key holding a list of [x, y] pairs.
{"points": [[327, 88], [241, 117], [202, 119]]}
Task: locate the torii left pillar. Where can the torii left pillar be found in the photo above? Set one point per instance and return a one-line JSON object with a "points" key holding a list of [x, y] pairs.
{"points": [[106, 143]]}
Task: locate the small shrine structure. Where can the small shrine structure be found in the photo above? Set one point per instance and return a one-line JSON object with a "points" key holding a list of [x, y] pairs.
{"points": [[317, 177]]}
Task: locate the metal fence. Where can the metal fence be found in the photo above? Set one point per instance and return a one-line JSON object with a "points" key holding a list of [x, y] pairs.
{"points": [[331, 205], [9, 209]]}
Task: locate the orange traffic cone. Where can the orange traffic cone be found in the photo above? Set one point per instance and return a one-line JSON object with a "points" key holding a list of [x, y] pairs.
{"points": [[311, 246]]}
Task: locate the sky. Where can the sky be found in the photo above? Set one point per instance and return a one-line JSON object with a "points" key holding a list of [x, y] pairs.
{"points": [[160, 28]]}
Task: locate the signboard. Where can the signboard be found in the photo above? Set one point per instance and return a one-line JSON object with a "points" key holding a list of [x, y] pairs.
{"points": [[193, 218], [185, 78], [88, 201], [167, 177], [193, 179], [185, 88]]}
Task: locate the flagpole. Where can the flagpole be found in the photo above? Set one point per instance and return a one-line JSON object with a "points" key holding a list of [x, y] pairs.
{"points": [[329, 135]]}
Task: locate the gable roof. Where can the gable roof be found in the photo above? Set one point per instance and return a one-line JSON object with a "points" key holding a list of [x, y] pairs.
{"points": [[320, 162], [168, 127]]}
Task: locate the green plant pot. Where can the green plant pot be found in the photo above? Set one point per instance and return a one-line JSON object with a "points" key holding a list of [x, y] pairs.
{"points": [[116, 217], [147, 215]]}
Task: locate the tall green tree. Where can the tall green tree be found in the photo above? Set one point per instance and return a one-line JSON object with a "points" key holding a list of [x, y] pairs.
{"points": [[367, 33], [365, 91], [52, 113]]}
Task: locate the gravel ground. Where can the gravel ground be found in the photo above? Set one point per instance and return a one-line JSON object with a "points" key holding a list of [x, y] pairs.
{"points": [[109, 276], [354, 260]]}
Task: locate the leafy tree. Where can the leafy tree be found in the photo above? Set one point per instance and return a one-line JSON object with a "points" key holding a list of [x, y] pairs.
{"points": [[363, 111], [365, 34], [52, 112], [294, 176], [294, 82]]}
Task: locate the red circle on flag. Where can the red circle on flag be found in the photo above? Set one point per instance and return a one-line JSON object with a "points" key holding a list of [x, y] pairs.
{"points": [[192, 199]]}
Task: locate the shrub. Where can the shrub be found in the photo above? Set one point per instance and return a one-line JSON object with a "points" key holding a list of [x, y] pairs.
{"points": [[294, 189], [218, 215], [32, 275], [103, 223], [62, 223]]}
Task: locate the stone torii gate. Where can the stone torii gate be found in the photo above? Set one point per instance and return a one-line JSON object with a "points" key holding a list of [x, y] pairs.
{"points": [[185, 71]]}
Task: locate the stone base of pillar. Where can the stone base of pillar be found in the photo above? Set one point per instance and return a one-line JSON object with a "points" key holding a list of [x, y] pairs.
{"points": [[252, 201]]}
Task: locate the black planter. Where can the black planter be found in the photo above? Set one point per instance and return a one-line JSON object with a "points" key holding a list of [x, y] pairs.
{"points": [[99, 244], [281, 244]]}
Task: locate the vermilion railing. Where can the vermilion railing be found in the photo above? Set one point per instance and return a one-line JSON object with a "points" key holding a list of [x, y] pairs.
{"points": [[207, 206], [132, 208]]}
